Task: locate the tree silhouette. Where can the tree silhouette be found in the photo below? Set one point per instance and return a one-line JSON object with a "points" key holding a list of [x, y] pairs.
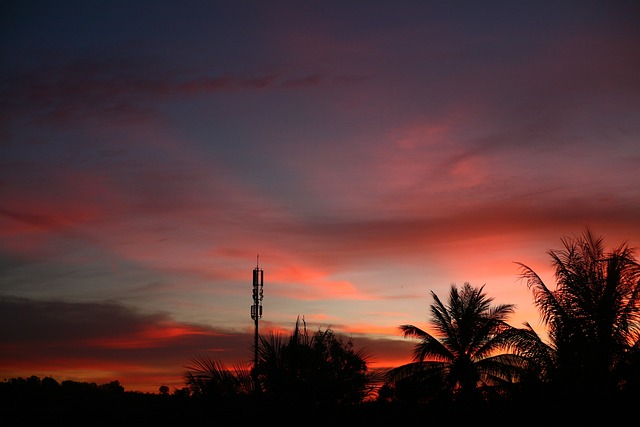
{"points": [[592, 318], [463, 357], [319, 370], [303, 373]]}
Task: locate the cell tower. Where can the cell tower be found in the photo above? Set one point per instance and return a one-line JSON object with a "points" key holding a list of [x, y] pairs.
{"points": [[256, 308]]}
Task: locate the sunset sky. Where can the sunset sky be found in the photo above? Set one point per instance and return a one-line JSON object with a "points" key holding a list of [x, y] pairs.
{"points": [[369, 152]]}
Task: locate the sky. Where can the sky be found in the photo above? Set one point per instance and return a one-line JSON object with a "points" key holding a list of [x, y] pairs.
{"points": [[363, 154]]}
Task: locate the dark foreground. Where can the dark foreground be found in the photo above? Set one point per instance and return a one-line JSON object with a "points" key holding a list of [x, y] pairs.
{"points": [[138, 409]]}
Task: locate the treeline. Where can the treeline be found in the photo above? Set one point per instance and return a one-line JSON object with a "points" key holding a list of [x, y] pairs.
{"points": [[35, 401], [471, 364]]}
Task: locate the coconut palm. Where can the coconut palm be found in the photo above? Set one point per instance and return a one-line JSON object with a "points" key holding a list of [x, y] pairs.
{"points": [[592, 317], [464, 354]]}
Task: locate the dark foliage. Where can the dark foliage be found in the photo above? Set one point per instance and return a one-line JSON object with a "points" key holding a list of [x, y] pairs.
{"points": [[35, 402], [315, 371], [38, 402], [592, 318]]}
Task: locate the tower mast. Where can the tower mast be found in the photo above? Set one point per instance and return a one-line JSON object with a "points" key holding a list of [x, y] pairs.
{"points": [[256, 310]]}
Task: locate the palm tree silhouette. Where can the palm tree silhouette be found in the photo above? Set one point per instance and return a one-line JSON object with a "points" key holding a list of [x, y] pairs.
{"points": [[464, 354], [592, 318], [207, 377], [319, 370]]}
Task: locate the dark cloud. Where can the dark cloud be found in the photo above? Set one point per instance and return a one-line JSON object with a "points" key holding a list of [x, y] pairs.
{"points": [[34, 220], [91, 87], [396, 352], [99, 331]]}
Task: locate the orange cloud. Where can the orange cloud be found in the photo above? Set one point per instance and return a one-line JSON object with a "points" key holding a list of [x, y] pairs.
{"points": [[156, 336]]}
